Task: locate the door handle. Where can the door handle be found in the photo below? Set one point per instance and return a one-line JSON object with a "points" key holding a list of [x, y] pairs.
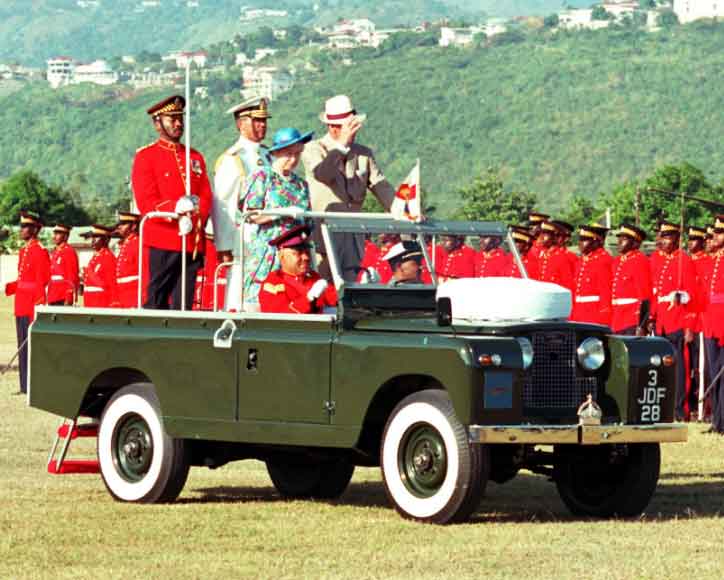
{"points": [[224, 334]]}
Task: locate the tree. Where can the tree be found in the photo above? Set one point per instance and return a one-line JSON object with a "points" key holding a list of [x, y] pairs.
{"points": [[581, 210], [26, 191], [551, 21], [667, 19], [600, 13], [485, 199]]}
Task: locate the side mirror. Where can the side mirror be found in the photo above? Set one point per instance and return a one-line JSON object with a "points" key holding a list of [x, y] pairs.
{"points": [[444, 312]]}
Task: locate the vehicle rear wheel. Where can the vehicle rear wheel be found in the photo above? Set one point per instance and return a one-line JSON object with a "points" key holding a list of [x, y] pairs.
{"points": [[296, 478], [431, 472], [139, 462], [608, 480]]}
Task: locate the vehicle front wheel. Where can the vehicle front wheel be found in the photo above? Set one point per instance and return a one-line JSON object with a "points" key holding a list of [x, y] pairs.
{"points": [[431, 472], [608, 480], [306, 478], [139, 462]]}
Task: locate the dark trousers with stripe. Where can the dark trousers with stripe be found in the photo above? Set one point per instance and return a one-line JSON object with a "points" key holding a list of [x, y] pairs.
{"points": [[164, 287], [677, 340], [717, 391], [22, 323]]}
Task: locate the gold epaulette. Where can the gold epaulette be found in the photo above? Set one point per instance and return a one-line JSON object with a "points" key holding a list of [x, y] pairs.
{"points": [[145, 147]]}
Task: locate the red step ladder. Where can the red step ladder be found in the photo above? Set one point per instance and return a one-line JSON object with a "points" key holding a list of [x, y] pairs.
{"points": [[67, 432]]}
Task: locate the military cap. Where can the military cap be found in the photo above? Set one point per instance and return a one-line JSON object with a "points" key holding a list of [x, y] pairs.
{"points": [[30, 218], [403, 251], [98, 231], [631, 231], [563, 227], [719, 224], [61, 229], [173, 105], [594, 231], [535, 217], [255, 107], [127, 217], [669, 229], [696, 233], [521, 234], [296, 237], [547, 226]]}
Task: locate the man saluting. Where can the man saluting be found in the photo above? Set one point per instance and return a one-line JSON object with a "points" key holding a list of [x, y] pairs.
{"points": [[295, 288], [159, 184]]}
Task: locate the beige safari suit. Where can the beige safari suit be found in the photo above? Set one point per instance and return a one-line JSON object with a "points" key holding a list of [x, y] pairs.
{"points": [[338, 182]]}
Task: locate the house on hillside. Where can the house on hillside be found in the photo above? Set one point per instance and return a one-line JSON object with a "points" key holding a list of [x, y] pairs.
{"points": [[98, 73], [620, 9], [690, 10], [262, 53], [458, 36], [580, 19], [265, 81], [180, 57], [60, 71]]}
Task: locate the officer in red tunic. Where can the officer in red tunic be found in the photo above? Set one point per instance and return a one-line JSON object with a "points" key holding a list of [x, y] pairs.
{"points": [[673, 305], [373, 266], [491, 260], [592, 279], [631, 281], [523, 241], [555, 266], [99, 276], [459, 259], [29, 288], [535, 221], [158, 178], [127, 261], [437, 257], [295, 288], [565, 232], [64, 277]]}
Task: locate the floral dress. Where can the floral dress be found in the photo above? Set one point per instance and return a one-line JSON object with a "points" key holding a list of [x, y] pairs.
{"points": [[268, 189]]}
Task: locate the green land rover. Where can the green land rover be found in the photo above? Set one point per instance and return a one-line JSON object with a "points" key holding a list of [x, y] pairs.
{"points": [[444, 386]]}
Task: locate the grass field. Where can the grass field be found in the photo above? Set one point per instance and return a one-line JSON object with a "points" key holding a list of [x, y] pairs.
{"points": [[230, 523]]}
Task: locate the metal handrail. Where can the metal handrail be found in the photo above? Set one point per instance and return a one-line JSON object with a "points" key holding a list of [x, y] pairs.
{"points": [[144, 219]]}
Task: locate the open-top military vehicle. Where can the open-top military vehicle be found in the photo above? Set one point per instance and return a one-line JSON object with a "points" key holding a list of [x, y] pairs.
{"points": [[443, 386]]}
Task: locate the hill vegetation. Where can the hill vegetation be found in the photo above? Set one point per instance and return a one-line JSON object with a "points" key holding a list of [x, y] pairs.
{"points": [[558, 115]]}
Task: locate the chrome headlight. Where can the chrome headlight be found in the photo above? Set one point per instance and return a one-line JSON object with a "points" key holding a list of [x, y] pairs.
{"points": [[526, 348], [591, 354]]}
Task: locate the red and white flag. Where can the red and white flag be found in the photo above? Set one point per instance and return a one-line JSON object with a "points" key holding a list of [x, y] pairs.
{"points": [[407, 204]]}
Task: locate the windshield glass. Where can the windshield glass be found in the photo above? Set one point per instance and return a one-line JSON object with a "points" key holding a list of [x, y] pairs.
{"points": [[395, 255]]}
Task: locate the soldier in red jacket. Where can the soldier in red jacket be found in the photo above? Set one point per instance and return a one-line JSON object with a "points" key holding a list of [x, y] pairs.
{"points": [[127, 261], [492, 260], [535, 221], [592, 279], [523, 241], [713, 322], [563, 239], [99, 276], [64, 277], [374, 259], [295, 288], [631, 281], [158, 178], [555, 266], [674, 307], [29, 288], [459, 259]]}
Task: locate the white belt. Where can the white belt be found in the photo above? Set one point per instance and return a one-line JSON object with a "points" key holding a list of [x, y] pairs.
{"points": [[93, 289], [587, 299], [624, 301], [124, 279], [57, 277]]}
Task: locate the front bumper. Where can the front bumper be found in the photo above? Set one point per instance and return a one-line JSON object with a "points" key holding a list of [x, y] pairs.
{"points": [[578, 434]]}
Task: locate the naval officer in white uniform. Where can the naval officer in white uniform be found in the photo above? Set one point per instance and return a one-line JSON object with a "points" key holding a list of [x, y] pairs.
{"points": [[231, 172]]}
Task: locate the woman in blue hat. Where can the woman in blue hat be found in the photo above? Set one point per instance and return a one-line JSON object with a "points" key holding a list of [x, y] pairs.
{"points": [[272, 187]]}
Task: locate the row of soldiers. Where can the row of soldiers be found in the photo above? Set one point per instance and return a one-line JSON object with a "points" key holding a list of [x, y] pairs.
{"points": [[682, 294]]}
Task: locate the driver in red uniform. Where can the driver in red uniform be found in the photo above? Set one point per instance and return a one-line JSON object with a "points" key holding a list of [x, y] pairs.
{"points": [[295, 288]]}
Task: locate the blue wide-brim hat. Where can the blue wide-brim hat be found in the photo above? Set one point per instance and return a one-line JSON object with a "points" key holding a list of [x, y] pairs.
{"points": [[289, 136]]}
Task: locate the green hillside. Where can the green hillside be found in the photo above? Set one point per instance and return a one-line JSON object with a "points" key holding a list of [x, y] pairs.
{"points": [[34, 31], [575, 113]]}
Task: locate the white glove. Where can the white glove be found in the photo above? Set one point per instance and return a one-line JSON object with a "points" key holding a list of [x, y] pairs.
{"points": [[186, 204], [369, 276], [316, 290], [185, 225]]}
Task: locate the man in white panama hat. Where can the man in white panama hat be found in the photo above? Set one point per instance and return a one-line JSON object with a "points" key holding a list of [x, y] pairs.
{"points": [[232, 168], [340, 172]]}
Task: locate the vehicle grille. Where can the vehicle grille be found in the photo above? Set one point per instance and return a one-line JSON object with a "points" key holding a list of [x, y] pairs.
{"points": [[552, 382]]}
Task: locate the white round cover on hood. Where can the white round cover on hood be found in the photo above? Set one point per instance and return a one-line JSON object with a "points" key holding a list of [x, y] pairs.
{"points": [[503, 299]]}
